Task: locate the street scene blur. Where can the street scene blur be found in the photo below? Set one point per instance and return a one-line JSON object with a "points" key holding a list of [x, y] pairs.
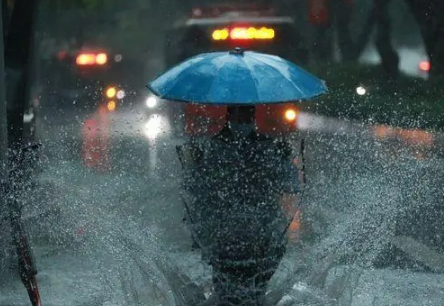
{"points": [[250, 152]]}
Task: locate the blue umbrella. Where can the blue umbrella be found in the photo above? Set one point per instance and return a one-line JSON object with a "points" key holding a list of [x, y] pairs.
{"points": [[237, 78]]}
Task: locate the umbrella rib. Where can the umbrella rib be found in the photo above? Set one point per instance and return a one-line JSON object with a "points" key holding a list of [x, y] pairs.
{"points": [[274, 68], [214, 81], [184, 74], [279, 60], [180, 75], [247, 68], [251, 76]]}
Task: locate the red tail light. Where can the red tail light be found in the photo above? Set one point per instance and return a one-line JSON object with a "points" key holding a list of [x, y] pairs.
{"points": [[244, 33], [84, 59], [424, 66], [101, 59]]}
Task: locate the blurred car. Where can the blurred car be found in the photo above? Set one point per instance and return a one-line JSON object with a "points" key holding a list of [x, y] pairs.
{"points": [[223, 27], [86, 79], [211, 28]]}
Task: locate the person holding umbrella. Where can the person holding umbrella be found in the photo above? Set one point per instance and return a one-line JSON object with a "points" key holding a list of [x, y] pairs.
{"points": [[236, 184]]}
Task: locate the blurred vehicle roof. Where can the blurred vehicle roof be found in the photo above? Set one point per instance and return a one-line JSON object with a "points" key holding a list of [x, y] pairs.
{"points": [[226, 13], [240, 18]]}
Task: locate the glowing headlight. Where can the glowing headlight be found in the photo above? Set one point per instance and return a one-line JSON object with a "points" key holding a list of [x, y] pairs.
{"points": [[153, 127], [360, 90], [151, 102], [290, 115], [111, 92], [120, 94], [111, 105]]}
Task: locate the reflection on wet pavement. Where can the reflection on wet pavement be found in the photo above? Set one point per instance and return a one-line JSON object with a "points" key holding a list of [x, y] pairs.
{"points": [[420, 142], [134, 196]]}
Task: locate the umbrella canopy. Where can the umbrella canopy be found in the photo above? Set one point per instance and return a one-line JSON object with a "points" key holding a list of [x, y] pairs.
{"points": [[237, 78]]}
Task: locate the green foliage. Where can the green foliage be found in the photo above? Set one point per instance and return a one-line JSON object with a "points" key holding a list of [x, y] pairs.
{"points": [[83, 4]]}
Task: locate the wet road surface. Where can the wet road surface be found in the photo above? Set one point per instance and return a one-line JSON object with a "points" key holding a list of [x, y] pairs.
{"points": [[106, 224]]}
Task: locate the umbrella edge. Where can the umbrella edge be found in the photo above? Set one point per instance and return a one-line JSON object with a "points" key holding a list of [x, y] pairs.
{"points": [[234, 103]]}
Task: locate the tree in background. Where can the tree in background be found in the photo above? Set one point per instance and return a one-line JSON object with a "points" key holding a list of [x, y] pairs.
{"points": [[320, 20], [429, 15], [389, 57], [137, 26], [342, 11], [328, 16], [336, 15]]}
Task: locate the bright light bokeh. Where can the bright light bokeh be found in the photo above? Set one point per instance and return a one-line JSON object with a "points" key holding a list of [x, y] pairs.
{"points": [[239, 33], [101, 59], [151, 102], [111, 92], [290, 115], [360, 90], [120, 94], [424, 66], [111, 106], [91, 59], [153, 127], [220, 34], [85, 59]]}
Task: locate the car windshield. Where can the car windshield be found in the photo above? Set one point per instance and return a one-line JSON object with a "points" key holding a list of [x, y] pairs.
{"points": [[149, 157]]}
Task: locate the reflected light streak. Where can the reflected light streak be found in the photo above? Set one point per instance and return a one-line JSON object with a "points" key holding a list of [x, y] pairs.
{"points": [[153, 127]]}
